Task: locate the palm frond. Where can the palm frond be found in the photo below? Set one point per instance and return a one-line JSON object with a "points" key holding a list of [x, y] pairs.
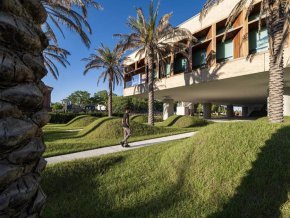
{"points": [[52, 55]]}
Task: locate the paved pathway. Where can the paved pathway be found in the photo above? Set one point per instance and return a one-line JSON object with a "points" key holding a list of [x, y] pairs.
{"points": [[116, 148]]}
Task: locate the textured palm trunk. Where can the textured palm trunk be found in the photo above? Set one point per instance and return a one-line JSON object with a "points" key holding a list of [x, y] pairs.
{"points": [[150, 89], [110, 94], [21, 107], [276, 80]]}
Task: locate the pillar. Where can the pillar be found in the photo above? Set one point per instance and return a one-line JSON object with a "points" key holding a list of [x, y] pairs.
{"points": [[286, 105], [230, 111], [245, 111], [168, 108], [206, 110]]}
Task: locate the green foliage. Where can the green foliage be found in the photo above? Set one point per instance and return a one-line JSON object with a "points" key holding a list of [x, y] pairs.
{"points": [[62, 118], [226, 170], [81, 98], [170, 120], [187, 121], [57, 106]]}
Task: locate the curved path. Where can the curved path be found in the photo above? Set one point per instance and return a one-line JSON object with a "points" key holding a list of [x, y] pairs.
{"points": [[117, 148]]}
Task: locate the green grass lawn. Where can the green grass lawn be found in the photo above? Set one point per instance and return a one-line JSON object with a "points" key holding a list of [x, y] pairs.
{"points": [[102, 132], [226, 170]]}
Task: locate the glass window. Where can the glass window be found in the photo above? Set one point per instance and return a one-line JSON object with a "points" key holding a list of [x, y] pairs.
{"points": [[225, 50], [199, 57], [167, 70], [258, 42], [135, 80], [180, 65]]}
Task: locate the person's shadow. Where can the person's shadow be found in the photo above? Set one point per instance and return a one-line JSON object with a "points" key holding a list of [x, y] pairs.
{"points": [[265, 188]]}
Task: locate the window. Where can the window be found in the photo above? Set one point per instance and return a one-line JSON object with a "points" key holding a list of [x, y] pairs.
{"points": [[199, 57], [168, 70], [180, 65], [135, 80], [128, 84], [225, 50], [258, 42]]}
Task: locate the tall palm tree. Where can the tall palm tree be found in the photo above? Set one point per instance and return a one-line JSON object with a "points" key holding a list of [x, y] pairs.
{"points": [[153, 41], [277, 21], [111, 62], [22, 42]]}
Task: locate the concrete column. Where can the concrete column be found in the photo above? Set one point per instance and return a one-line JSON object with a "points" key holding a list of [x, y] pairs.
{"points": [[206, 110], [168, 108], [245, 111], [286, 105], [230, 111]]}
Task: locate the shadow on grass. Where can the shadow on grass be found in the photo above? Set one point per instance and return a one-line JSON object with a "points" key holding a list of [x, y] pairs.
{"points": [[162, 202], [74, 188], [265, 188]]}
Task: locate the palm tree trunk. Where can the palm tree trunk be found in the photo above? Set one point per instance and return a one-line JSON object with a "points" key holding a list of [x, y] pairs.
{"points": [[276, 80], [150, 88], [110, 94], [21, 107]]}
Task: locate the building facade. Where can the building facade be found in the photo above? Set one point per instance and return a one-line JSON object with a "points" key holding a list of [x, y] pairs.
{"points": [[228, 69]]}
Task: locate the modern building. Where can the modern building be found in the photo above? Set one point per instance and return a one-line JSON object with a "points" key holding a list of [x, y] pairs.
{"points": [[232, 72]]}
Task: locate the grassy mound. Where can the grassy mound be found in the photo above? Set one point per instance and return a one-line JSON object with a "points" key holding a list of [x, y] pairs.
{"points": [[226, 170], [266, 120], [187, 121], [113, 129], [139, 118], [94, 125], [81, 121], [170, 120]]}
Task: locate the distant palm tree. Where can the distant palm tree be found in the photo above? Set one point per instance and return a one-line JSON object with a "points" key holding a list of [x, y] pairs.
{"points": [[111, 62], [22, 42], [153, 40], [277, 20]]}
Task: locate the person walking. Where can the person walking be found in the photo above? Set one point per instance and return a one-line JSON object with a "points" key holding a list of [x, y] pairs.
{"points": [[126, 128]]}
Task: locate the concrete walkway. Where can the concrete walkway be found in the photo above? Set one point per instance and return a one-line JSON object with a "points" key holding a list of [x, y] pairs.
{"points": [[117, 148]]}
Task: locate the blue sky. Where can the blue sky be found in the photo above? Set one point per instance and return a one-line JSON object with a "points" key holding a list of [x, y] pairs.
{"points": [[105, 23]]}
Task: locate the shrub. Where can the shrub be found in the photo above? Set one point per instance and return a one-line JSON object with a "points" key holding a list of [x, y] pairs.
{"points": [[62, 118], [187, 121]]}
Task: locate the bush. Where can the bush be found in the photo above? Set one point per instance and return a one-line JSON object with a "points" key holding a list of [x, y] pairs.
{"points": [[62, 118], [187, 121]]}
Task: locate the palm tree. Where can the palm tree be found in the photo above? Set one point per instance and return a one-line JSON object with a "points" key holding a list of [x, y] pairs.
{"points": [[277, 21], [111, 62], [154, 41], [22, 116]]}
